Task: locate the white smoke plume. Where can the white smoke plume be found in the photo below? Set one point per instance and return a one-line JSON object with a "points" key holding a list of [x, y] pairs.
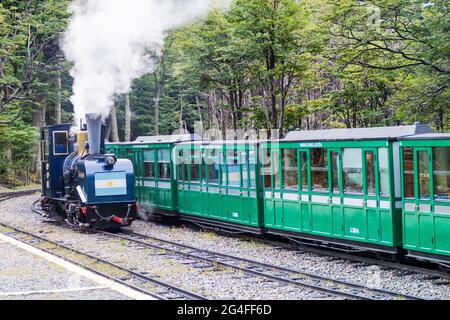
{"points": [[108, 42]]}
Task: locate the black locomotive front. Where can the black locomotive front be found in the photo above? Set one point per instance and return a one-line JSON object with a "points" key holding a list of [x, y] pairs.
{"points": [[80, 183]]}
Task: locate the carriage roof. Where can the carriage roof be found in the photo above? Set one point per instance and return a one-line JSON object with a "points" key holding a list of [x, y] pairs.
{"points": [[428, 136], [159, 139], [375, 133]]}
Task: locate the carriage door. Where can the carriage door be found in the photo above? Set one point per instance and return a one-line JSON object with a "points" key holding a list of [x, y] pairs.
{"points": [[370, 190], [417, 195], [423, 197], [336, 191]]}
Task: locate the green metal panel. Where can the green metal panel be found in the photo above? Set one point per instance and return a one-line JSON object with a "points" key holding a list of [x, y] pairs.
{"points": [[442, 234], [368, 217], [152, 193], [291, 215], [321, 219]]}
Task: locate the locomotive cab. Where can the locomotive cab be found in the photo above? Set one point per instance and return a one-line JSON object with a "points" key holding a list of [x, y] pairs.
{"points": [[55, 148]]}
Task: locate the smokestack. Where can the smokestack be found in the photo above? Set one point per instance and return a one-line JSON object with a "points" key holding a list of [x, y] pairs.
{"points": [[94, 128]]}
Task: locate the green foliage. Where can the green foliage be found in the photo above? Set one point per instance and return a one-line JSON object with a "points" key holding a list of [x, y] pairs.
{"points": [[29, 46], [283, 64], [304, 64], [19, 148]]}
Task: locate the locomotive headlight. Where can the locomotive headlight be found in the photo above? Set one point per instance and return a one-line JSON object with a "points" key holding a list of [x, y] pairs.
{"points": [[110, 160]]}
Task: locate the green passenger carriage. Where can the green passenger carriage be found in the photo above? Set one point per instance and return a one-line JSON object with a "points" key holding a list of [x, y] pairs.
{"points": [[384, 189], [155, 179], [425, 161], [218, 184], [338, 185]]}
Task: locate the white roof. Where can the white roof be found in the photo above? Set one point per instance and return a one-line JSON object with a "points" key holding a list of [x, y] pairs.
{"points": [[429, 136], [375, 133]]}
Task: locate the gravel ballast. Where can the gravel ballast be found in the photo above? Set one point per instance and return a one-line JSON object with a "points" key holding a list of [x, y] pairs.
{"points": [[24, 276], [217, 282]]}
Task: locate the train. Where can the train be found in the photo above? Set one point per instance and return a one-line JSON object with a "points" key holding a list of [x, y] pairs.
{"points": [[382, 190], [81, 184]]}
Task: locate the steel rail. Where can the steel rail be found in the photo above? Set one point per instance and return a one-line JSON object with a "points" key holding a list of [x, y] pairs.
{"points": [[329, 252], [9, 195], [271, 272], [170, 289]]}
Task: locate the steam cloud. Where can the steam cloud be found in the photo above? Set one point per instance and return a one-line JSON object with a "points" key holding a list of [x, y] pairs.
{"points": [[108, 41]]}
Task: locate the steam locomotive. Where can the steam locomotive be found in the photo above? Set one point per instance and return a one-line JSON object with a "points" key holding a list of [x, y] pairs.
{"points": [[80, 183]]}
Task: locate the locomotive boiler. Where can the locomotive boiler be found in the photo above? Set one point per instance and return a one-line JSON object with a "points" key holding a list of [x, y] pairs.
{"points": [[80, 183]]}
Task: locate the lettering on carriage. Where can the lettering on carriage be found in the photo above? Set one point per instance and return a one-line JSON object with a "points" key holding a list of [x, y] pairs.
{"points": [[311, 145], [235, 214], [354, 230]]}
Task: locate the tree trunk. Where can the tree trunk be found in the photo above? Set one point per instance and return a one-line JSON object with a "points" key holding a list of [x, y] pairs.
{"points": [[108, 129], [127, 118], [158, 84], [58, 98], [39, 115], [156, 104], [199, 110], [181, 112], [114, 129], [38, 120]]}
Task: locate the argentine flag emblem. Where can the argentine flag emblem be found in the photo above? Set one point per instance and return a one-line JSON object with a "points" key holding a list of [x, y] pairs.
{"points": [[110, 184]]}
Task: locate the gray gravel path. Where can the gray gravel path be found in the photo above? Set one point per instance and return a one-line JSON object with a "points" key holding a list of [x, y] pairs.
{"points": [[24, 276]]}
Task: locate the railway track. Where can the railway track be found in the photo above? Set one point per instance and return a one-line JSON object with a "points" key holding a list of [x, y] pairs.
{"points": [[400, 266], [403, 266], [9, 195], [330, 287], [102, 266]]}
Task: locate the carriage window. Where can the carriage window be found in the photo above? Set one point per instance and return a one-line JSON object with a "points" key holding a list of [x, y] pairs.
{"points": [[370, 173], [319, 170], [424, 175], [276, 169], [223, 168], [234, 173], [164, 164], [149, 163], [335, 171], [213, 171], [181, 173], [408, 172], [267, 171], [252, 168], [383, 169], [304, 171], [245, 180], [441, 173], [194, 172], [290, 170], [352, 167]]}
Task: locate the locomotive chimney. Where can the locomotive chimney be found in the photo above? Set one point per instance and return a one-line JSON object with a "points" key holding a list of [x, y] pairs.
{"points": [[94, 127]]}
